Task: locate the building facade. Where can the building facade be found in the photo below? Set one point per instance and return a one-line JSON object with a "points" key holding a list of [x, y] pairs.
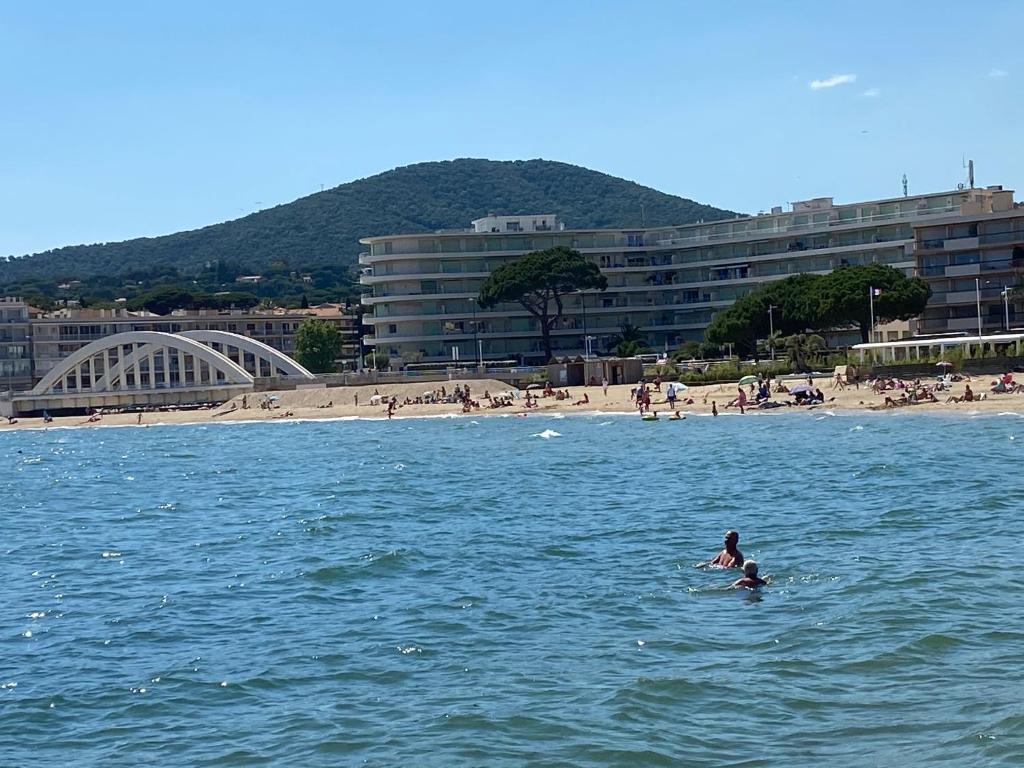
{"points": [[15, 344], [420, 289], [974, 264]]}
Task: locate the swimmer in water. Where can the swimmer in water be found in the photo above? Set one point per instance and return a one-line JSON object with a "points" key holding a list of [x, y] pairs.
{"points": [[730, 556], [750, 578]]}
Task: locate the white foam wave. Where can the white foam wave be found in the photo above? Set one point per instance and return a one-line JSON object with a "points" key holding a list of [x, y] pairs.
{"points": [[547, 434]]}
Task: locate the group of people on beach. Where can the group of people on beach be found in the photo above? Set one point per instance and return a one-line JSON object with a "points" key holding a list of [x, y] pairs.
{"points": [[731, 557]]}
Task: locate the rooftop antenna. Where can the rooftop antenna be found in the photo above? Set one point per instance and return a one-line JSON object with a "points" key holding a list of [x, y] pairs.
{"points": [[969, 165], [643, 216], [904, 185]]}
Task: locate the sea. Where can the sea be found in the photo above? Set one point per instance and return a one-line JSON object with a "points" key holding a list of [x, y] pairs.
{"points": [[505, 591]]}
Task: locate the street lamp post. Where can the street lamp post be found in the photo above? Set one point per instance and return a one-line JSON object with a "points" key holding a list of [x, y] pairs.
{"points": [[771, 329], [977, 296], [476, 337], [1006, 306], [586, 338]]}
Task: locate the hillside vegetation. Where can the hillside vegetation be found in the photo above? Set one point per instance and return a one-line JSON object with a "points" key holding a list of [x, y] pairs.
{"points": [[323, 229]]}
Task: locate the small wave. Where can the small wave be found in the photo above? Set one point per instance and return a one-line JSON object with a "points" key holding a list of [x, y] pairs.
{"points": [[547, 434], [110, 553]]}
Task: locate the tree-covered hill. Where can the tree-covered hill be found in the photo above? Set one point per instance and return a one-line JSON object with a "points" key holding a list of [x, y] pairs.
{"points": [[323, 229]]}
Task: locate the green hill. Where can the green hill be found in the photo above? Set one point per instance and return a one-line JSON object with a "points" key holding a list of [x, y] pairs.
{"points": [[323, 229]]}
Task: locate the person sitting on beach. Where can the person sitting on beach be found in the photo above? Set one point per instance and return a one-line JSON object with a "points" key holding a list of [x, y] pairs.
{"points": [[676, 416], [729, 557], [750, 578], [968, 396], [584, 401]]}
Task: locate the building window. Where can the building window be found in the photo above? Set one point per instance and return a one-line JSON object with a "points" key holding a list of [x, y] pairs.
{"points": [[392, 328], [512, 226]]}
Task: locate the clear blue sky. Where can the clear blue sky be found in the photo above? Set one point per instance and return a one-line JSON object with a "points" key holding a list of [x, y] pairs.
{"points": [[121, 119]]}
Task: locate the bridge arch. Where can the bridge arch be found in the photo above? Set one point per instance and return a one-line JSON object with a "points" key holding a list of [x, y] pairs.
{"points": [[129, 361], [224, 342]]}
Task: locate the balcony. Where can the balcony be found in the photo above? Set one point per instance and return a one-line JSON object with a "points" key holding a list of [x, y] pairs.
{"points": [[963, 270]]}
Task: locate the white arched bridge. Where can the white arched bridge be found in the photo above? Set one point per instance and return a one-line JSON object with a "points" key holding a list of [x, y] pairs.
{"points": [[141, 368]]}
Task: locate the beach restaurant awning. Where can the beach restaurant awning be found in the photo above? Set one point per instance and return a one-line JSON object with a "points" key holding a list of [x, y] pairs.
{"points": [[910, 349]]}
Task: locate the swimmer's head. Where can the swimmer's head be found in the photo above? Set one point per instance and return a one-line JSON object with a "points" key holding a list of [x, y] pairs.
{"points": [[749, 568], [731, 537]]}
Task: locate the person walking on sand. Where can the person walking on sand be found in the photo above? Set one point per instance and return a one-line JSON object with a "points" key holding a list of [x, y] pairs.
{"points": [[714, 408], [357, 399], [730, 556], [604, 385]]}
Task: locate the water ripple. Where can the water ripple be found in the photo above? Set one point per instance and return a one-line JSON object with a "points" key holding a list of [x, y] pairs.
{"points": [[444, 592]]}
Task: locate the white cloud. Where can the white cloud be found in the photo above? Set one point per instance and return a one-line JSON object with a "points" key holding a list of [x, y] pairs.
{"points": [[832, 82], [996, 73], [872, 93]]}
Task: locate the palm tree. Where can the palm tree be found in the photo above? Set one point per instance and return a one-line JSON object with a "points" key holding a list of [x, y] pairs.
{"points": [[629, 342], [773, 343], [800, 347]]}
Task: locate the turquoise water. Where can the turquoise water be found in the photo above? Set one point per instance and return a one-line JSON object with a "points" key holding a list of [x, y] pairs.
{"points": [[456, 592]]}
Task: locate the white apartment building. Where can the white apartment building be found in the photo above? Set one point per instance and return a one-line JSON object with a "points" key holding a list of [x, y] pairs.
{"points": [[668, 281]]}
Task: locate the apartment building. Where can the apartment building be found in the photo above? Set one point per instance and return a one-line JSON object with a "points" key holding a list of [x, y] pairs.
{"points": [[15, 344], [420, 289], [974, 263]]}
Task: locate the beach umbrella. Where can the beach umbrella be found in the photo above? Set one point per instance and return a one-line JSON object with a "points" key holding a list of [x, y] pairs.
{"points": [[800, 388], [747, 380], [273, 397], [943, 364], [678, 386]]}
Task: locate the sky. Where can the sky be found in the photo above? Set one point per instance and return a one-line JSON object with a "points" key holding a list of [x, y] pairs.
{"points": [[127, 119]]}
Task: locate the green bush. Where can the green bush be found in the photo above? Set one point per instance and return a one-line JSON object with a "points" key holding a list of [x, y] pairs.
{"points": [[377, 360]]}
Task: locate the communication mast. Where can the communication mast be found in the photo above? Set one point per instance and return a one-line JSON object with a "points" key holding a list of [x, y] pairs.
{"points": [[904, 185], [969, 165]]}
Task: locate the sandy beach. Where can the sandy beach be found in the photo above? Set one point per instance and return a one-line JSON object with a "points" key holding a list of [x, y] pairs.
{"points": [[340, 402]]}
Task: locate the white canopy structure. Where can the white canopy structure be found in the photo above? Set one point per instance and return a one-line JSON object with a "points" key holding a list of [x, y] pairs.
{"points": [[142, 368], [915, 348], [266, 361]]}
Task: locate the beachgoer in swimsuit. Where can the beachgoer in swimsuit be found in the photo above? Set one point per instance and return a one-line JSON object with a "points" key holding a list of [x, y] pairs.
{"points": [[730, 556], [750, 578]]}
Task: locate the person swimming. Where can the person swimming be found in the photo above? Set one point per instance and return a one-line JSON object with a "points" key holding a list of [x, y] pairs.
{"points": [[750, 578], [730, 556]]}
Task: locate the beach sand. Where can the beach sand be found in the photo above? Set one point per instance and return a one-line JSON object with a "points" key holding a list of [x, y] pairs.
{"points": [[311, 404]]}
